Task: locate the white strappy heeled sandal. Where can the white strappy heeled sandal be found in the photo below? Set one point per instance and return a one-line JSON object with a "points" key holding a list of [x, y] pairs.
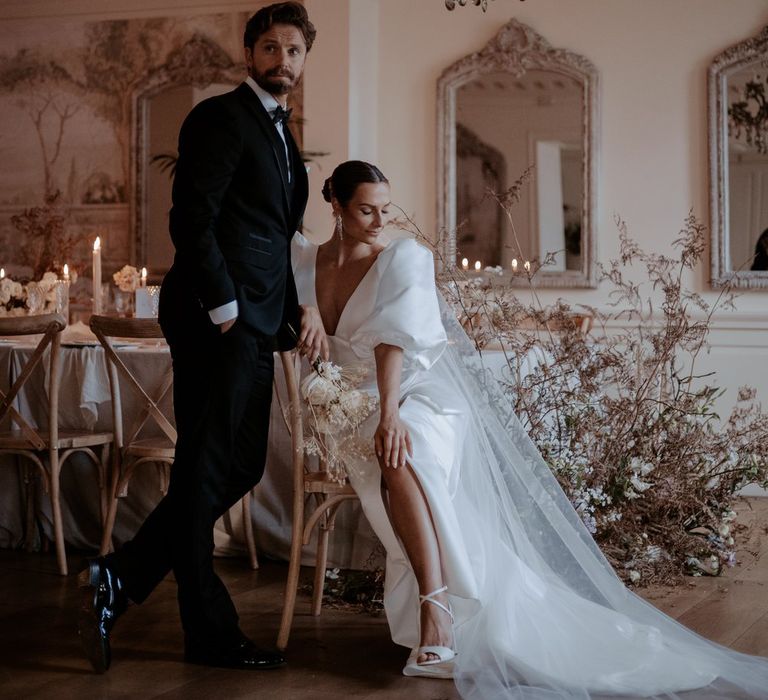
{"points": [[442, 666]]}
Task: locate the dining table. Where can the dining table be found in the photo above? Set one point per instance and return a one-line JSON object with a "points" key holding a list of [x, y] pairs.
{"points": [[85, 403]]}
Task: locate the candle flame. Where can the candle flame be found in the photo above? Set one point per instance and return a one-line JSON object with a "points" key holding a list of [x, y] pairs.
{"points": [[66, 269], [2, 272], [478, 265], [143, 273], [514, 264], [464, 263], [97, 244], [527, 266]]}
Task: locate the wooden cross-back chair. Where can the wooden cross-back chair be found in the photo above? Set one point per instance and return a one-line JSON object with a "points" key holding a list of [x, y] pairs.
{"points": [[27, 441], [132, 450], [308, 484]]}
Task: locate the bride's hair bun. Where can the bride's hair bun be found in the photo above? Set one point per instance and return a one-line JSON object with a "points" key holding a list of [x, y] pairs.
{"points": [[327, 189], [347, 176]]}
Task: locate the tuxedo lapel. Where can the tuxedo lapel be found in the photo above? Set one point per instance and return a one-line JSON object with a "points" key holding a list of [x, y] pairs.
{"points": [[254, 106], [300, 182]]}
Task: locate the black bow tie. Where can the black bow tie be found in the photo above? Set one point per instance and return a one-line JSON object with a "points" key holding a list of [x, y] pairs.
{"points": [[281, 115]]}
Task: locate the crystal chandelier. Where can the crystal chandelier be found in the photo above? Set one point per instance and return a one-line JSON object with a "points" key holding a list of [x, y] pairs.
{"points": [[451, 4], [750, 115]]}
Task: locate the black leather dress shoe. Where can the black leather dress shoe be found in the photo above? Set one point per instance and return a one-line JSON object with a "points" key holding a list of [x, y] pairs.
{"points": [[243, 655], [103, 601]]}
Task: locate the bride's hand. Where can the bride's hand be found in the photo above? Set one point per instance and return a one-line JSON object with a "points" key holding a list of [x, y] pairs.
{"points": [[313, 342], [392, 442]]}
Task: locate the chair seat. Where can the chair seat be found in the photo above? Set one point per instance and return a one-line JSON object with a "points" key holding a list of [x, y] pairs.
{"points": [[320, 482], [68, 439], [160, 447]]}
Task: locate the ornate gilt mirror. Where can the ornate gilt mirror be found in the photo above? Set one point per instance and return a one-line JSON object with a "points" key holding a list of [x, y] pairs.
{"points": [[518, 103], [738, 161], [200, 69]]}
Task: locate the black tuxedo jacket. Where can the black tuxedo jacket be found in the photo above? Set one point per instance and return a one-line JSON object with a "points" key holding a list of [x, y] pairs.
{"points": [[233, 216]]}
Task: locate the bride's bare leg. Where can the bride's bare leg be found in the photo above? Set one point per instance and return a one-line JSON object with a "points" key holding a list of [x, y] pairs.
{"points": [[412, 521]]}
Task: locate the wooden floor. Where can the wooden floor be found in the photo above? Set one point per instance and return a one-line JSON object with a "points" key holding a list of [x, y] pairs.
{"points": [[340, 654]]}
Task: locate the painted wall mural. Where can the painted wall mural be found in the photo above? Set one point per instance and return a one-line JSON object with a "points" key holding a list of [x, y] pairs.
{"points": [[67, 96]]}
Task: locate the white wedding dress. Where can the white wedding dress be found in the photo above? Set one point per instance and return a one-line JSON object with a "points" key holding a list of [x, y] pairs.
{"points": [[539, 611]]}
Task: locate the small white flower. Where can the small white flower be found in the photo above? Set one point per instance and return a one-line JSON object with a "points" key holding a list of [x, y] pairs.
{"points": [[639, 485], [653, 553], [353, 401], [634, 576], [48, 280], [317, 390]]}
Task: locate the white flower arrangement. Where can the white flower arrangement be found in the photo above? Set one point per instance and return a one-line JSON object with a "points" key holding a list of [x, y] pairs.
{"points": [[41, 297], [336, 409], [127, 278]]}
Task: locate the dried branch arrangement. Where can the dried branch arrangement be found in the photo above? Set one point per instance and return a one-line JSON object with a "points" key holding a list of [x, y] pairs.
{"points": [[621, 412]]}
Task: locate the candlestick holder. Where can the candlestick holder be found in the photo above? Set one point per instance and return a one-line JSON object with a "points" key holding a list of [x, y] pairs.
{"points": [[61, 298], [147, 301]]}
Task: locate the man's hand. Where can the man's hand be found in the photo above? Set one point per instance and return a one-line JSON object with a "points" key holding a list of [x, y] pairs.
{"points": [[313, 342], [224, 327]]}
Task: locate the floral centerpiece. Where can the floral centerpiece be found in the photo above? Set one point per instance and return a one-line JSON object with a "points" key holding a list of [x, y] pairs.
{"points": [[127, 278], [335, 411], [13, 298], [48, 295]]}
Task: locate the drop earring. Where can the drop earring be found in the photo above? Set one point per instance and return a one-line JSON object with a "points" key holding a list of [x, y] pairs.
{"points": [[339, 230]]}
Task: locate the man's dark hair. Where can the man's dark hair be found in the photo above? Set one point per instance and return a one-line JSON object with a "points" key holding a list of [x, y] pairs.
{"points": [[279, 13]]}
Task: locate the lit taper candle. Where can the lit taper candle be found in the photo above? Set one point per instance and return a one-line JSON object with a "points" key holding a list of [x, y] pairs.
{"points": [[97, 276]]}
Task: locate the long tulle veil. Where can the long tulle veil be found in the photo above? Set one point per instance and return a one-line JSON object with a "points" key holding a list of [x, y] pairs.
{"points": [[522, 515]]}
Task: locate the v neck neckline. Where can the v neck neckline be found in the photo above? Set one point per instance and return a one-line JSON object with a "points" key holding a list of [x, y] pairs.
{"points": [[349, 299]]}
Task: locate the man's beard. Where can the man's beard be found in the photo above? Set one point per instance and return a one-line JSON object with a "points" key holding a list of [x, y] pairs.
{"points": [[271, 83]]}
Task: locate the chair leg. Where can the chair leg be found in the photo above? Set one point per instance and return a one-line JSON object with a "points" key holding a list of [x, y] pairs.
{"points": [[58, 526], [294, 569], [109, 524], [104, 485], [111, 514], [321, 560], [323, 534], [30, 484], [248, 531]]}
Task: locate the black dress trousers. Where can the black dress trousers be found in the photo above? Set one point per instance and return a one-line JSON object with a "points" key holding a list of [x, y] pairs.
{"points": [[222, 397]]}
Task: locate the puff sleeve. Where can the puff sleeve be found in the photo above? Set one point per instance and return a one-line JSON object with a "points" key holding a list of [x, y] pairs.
{"points": [[406, 312]]}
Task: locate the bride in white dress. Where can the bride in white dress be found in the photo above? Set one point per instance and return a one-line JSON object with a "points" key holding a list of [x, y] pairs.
{"points": [[491, 577]]}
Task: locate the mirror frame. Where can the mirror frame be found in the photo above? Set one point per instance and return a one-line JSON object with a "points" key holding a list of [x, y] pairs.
{"points": [[200, 62], [517, 48], [724, 64]]}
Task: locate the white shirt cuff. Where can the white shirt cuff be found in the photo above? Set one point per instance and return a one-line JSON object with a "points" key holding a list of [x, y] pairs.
{"points": [[224, 313]]}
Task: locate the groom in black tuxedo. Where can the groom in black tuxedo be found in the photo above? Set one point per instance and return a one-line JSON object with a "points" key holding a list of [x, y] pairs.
{"points": [[239, 194]]}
